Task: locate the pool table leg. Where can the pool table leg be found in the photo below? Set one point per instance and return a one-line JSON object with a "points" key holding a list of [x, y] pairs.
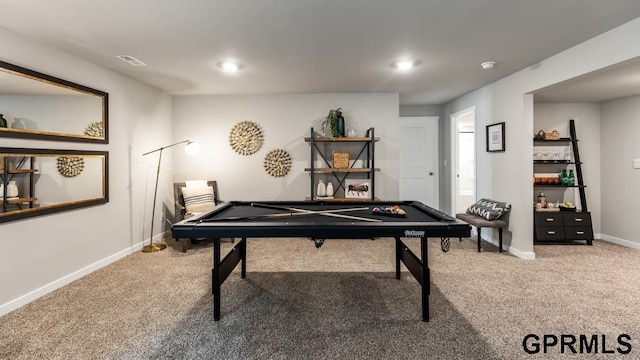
{"points": [[426, 278], [222, 268], [418, 267], [398, 257], [216, 279], [243, 256]]}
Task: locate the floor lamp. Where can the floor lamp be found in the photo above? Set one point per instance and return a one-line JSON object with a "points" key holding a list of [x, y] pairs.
{"points": [[191, 148]]}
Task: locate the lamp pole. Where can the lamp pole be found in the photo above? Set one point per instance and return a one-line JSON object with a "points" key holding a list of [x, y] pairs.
{"points": [[157, 247]]}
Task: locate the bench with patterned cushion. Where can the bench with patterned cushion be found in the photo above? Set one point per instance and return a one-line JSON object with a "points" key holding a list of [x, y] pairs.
{"points": [[487, 213]]}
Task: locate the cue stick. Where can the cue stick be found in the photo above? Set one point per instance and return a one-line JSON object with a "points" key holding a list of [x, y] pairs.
{"points": [[319, 212], [289, 214]]}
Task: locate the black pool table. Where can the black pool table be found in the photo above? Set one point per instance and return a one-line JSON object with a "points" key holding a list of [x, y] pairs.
{"points": [[320, 220]]}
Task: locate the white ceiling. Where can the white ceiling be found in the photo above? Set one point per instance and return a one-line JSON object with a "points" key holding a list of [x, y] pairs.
{"points": [[618, 81], [313, 46]]}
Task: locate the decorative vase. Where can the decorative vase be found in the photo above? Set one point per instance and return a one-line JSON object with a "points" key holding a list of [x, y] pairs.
{"points": [[329, 189], [18, 123], [3, 121], [340, 124], [542, 200], [12, 189], [322, 189]]}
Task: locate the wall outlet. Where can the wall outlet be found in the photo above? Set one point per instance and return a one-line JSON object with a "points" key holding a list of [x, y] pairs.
{"points": [[636, 163]]}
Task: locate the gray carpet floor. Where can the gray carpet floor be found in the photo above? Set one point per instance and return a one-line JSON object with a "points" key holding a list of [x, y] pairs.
{"points": [[337, 302]]}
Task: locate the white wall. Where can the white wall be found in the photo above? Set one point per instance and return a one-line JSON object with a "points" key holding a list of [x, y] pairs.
{"points": [[61, 113], [54, 188], [620, 130], [550, 117], [42, 253], [421, 110], [507, 176], [285, 121]]}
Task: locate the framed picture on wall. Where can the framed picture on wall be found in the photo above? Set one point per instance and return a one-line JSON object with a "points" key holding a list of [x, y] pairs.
{"points": [[495, 137], [357, 188]]}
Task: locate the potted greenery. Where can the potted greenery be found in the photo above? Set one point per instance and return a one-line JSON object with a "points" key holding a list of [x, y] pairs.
{"points": [[333, 125]]}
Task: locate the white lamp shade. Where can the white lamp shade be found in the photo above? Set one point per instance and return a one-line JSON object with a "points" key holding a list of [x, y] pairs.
{"points": [[192, 148]]}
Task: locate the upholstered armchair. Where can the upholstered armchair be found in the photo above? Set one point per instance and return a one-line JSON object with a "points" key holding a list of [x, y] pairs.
{"points": [[193, 198]]}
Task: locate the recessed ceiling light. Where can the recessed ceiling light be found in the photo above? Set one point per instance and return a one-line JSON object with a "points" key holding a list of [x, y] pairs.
{"points": [[488, 65], [229, 66], [131, 60], [404, 65]]}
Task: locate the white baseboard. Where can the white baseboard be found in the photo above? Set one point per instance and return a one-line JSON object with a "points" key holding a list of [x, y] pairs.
{"points": [[529, 255], [611, 239], [56, 284], [618, 241], [515, 252], [156, 238]]}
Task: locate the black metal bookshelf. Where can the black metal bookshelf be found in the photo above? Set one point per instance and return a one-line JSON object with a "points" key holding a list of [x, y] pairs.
{"points": [[564, 227], [365, 152]]}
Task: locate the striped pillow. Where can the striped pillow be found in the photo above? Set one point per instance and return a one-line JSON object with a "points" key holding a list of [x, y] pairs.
{"points": [[198, 199], [489, 209]]}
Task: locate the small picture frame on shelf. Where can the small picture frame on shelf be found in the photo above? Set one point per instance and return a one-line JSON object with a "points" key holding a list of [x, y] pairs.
{"points": [[357, 188], [495, 137]]}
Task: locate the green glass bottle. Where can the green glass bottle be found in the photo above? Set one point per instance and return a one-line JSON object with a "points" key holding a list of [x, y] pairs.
{"points": [[565, 178], [571, 180], [3, 121]]}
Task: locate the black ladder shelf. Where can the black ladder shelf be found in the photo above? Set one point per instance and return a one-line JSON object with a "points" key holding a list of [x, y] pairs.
{"points": [[564, 227], [578, 165]]}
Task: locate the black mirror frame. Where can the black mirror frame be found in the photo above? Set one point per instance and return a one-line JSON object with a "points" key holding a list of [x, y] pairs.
{"points": [[18, 70], [28, 213]]}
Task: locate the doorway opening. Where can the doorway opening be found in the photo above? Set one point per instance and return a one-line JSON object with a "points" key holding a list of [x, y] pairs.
{"points": [[463, 159]]}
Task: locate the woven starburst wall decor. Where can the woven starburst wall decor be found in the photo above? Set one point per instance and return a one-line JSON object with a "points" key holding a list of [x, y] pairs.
{"points": [[70, 166], [95, 129], [246, 138], [277, 162]]}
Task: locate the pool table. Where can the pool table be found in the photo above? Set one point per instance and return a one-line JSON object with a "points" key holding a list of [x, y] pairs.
{"points": [[320, 220]]}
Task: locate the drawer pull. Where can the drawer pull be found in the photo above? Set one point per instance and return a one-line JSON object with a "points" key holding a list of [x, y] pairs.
{"points": [[551, 232], [579, 232], [578, 220], [549, 219]]}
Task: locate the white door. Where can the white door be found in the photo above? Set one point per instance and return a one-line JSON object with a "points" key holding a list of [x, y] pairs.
{"points": [[463, 160], [419, 178]]}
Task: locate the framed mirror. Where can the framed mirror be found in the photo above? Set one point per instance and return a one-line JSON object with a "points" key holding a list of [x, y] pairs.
{"points": [[38, 106], [36, 182]]}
